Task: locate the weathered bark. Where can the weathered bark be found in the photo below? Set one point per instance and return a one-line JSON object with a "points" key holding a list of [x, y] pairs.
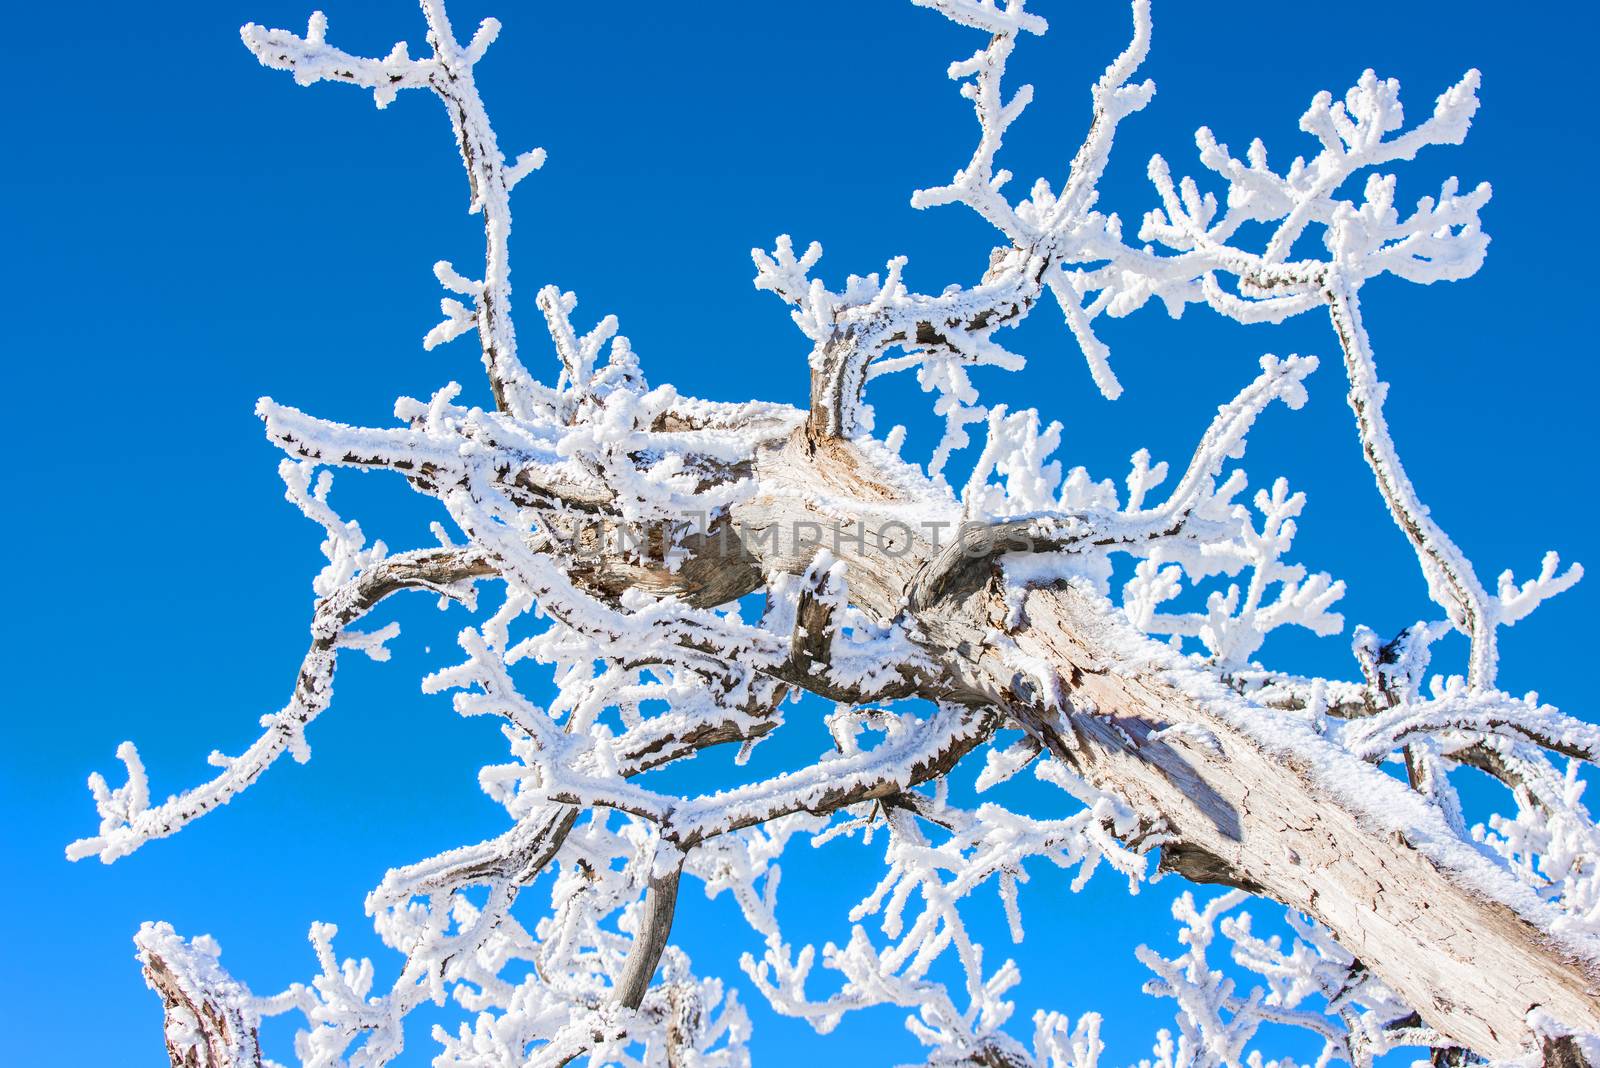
{"points": [[202, 1030], [1563, 1052], [655, 925], [1241, 812]]}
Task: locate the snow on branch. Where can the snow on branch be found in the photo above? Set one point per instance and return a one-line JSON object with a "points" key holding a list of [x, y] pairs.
{"points": [[1441, 240], [448, 72], [1316, 986], [212, 1019], [127, 819], [1461, 709], [854, 331], [1196, 530], [938, 854]]}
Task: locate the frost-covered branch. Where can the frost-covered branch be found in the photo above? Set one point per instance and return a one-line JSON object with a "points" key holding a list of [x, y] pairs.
{"points": [[1196, 522], [1355, 1017], [938, 855], [854, 331], [127, 819], [448, 72], [632, 532], [211, 1019], [1192, 248]]}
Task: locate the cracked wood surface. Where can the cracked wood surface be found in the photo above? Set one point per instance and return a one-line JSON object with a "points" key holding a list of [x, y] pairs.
{"points": [[1242, 815]]}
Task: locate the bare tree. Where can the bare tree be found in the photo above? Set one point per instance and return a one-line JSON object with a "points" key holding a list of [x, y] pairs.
{"points": [[624, 529]]}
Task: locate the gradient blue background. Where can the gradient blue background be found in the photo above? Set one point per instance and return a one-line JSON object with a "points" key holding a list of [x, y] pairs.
{"points": [[184, 232]]}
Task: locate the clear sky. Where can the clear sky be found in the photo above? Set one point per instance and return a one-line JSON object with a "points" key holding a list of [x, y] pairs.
{"points": [[185, 232]]}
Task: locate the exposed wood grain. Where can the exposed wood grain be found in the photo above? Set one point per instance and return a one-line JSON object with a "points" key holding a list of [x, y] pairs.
{"points": [[1242, 815]]}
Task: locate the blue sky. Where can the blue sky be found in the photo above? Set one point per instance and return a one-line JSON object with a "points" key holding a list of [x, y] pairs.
{"points": [[185, 232]]}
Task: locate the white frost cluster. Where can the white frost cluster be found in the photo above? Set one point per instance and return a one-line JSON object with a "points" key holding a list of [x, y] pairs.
{"points": [[1316, 986], [937, 855]]}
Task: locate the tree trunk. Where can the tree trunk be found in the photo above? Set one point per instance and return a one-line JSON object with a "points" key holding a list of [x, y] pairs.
{"points": [[1253, 798]]}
